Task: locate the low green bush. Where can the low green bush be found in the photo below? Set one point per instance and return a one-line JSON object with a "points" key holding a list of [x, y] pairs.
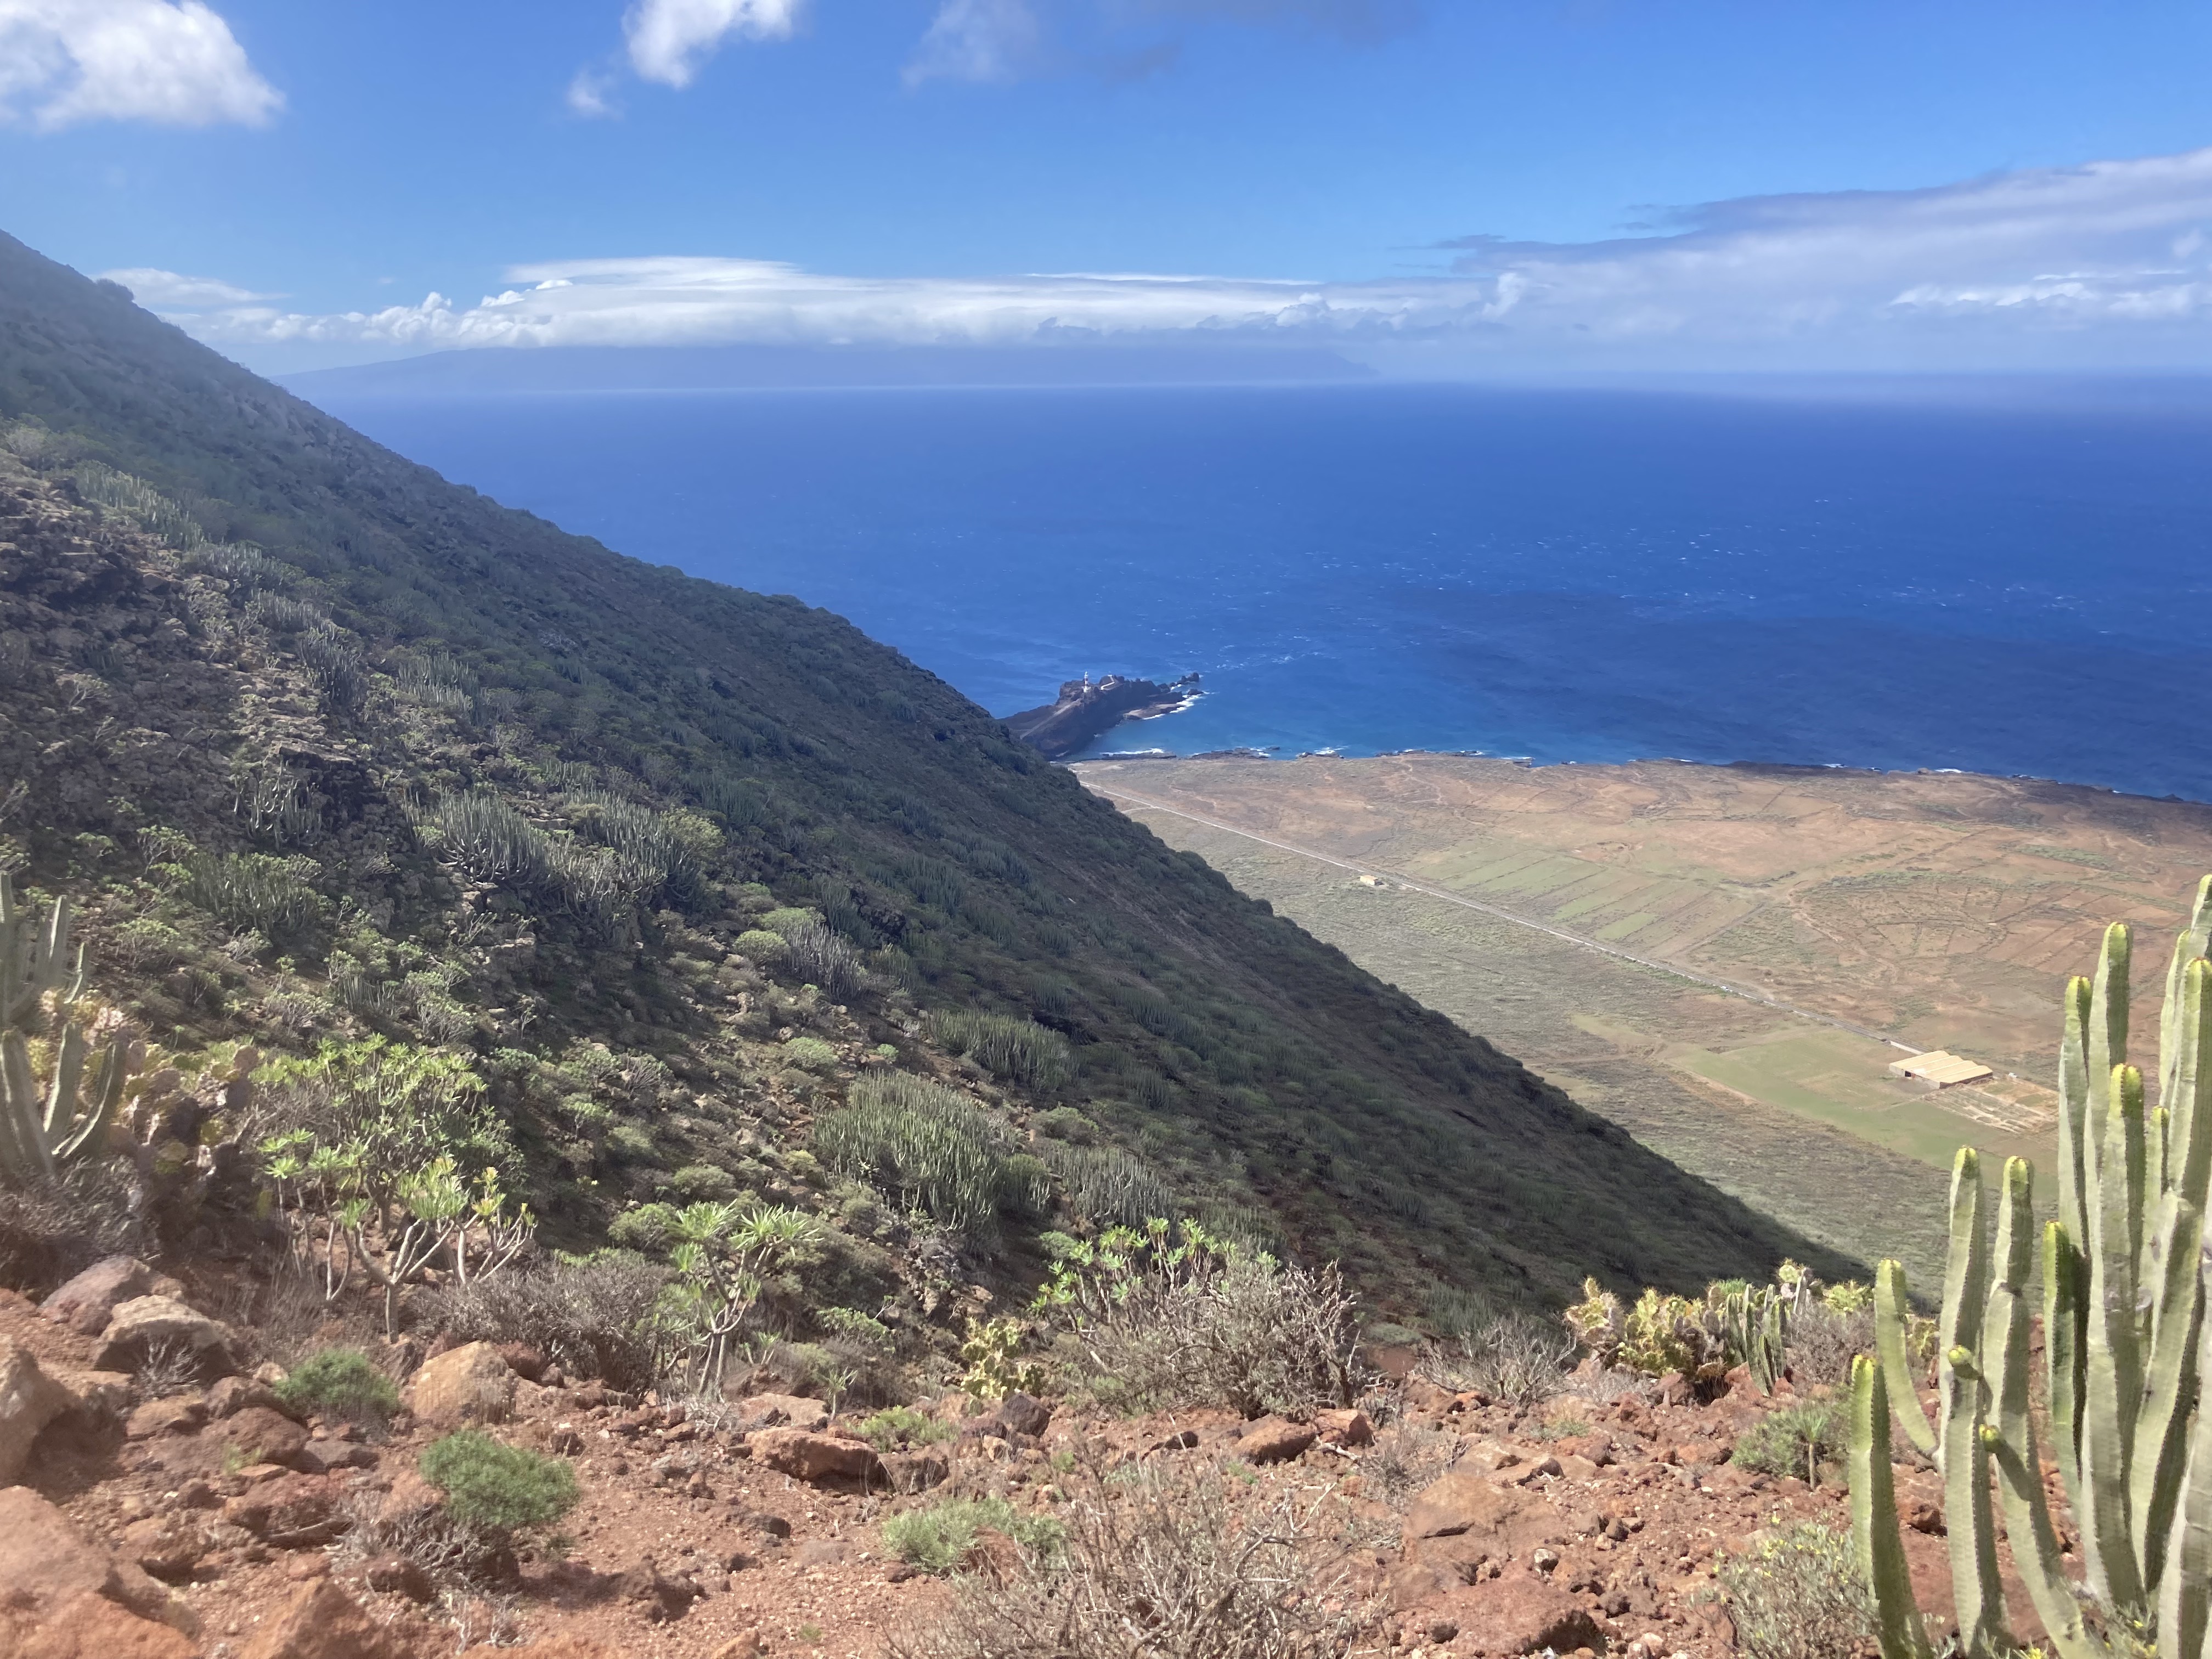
{"points": [[1799, 1594], [1796, 1440], [903, 1425], [340, 1382], [1018, 1050], [809, 1053], [760, 946], [503, 1488], [937, 1538]]}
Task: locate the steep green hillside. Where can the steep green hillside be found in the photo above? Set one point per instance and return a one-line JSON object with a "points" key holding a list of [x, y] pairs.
{"points": [[334, 747]]}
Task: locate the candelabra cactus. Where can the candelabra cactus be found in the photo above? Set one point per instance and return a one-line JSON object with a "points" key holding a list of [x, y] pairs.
{"points": [[34, 959], [2124, 1288], [1755, 1321], [46, 1129]]}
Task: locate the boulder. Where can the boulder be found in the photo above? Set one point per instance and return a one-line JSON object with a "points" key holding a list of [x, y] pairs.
{"points": [[87, 1302], [1275, 1440], [659, 1598], [321, 1621], [473, 1383], [915, 1471], [89, 1627], [146, 1322], [323, 1456], [527, 1362], [1516, 1614], [411, 1500], [47, 1562], [1017, 1413], [1483, 1521], [29, 1399], [766, 1411], [809, 1456]]}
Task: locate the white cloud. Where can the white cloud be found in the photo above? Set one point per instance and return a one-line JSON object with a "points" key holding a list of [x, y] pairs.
{"points": [[2109, 264], [670, 38], [152, 288], [171, 62], [981, 41], [588, 95]]}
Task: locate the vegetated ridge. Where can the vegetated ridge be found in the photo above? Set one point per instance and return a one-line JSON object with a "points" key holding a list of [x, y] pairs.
{"points": [[329, 749]]}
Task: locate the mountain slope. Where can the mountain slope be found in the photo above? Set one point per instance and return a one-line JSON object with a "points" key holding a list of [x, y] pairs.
{"points": [[299, 648]]}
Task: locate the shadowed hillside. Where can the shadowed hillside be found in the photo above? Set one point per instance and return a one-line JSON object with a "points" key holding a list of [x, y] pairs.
{"points": [[332, 748]]}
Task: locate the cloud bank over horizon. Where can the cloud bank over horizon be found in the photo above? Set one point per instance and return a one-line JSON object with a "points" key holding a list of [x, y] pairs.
{"points": [[2106, 264], [173, 62]]}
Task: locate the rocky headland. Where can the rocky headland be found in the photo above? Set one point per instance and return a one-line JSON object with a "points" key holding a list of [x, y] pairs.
{"points": [[1087, 709]]}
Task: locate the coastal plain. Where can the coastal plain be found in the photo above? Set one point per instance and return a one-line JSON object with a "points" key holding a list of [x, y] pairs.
{"points": [[1724, 959]]}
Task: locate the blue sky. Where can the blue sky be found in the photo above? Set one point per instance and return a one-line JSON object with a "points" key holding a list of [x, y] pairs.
{"points": [[1882, 184]]}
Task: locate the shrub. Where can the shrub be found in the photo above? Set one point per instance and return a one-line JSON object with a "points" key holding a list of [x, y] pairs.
{"points": [[1160, 1553], [935, 1149], [809, 1053], [703, 1181], [1799, 1594], [1511, 1356], [1065, 1123], [1795, 1441], [1824, 1339], [936, 1538], [1176, 1317], [499, 1488], [903, 1425], [341, 1382], [760, 944], [1019, 1050], [787, 920], [593, 1317]]}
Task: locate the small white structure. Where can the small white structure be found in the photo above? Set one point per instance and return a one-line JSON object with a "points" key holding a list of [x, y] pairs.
{"points": [[1941, 1067]]}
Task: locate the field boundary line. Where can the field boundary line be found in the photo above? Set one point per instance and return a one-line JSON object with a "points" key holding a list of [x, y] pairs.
{"points": [[1379, 873]]}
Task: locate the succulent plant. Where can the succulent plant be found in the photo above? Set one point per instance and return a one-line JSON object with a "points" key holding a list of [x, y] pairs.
{"points": [[2124, 1288]]}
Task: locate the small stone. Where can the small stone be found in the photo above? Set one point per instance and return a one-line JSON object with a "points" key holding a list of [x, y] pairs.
{"points": [[177, 1414], [400, 1575]]}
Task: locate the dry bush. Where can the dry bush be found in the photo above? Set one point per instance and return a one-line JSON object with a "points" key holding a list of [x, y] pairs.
{"points": [[1822, 1343], [1515, 1357], [1407, 1459], [1220, 1327], [593, 1318], [1158, 1562], [53, 1229], [459, 1561]]}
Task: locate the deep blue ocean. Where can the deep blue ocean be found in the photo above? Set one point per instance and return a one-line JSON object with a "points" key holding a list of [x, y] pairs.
{"points": [[2000, 576]]}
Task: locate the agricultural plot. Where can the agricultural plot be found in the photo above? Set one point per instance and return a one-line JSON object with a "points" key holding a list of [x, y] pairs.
{"points": [[1872, 913]]}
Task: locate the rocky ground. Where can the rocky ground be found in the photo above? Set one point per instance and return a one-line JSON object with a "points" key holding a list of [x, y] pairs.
{"points": [[205, 1520]]}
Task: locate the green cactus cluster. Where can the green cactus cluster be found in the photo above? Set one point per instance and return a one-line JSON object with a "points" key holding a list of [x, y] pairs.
{"points": [[1754, 1323], [2126, 1343]]}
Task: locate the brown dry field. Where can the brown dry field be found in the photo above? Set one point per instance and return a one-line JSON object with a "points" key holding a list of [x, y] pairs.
{"points": [[1920, 910]]}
